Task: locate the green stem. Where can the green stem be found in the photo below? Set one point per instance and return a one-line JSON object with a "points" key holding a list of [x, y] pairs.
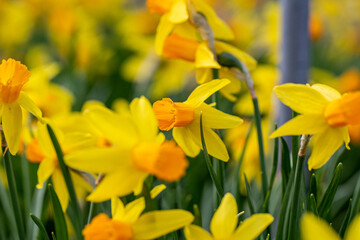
{"points": [[91, 212], [295, 198], [261, 146], [294, 144], [294, 210], [78, 223], [13, 194], [229, 60], [219, 189]]}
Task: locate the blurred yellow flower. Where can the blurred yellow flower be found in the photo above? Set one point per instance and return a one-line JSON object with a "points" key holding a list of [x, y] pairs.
{"points": [[127, 223], [184, 117], [185, 48], [223, 224], [41, 150], [324, 113], [176, 12], [135, 150], [13, 76], [314, 228]]}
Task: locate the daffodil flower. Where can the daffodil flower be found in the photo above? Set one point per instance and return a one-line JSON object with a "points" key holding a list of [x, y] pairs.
{"points": [[314, 228], [223, 224], [13, 76], [184, 118], [127, 223], [324, 113], [185, 48], [41, 150], [135, 150], [176, 12]]}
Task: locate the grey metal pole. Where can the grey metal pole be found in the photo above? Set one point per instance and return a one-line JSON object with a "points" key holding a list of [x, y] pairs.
{"points": [[294, 47]]}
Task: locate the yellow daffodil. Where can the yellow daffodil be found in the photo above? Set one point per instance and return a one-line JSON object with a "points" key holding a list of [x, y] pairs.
{"points": [[127, 223], [41, 150], [223, 224], [135, 150], [178, 47], [184, 118], [314, 228], [176, 12], [324, 113], [13, 76]]}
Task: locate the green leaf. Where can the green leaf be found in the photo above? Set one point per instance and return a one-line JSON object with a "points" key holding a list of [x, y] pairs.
{"points": [[249, 196], [77, 219], [273, 173], [285, 210], [313, 186], [40, 226], [13, 194], [219, 189], [356, 201], [36, 208], [325, 204], [295, 144], [346, 220], [197, 215], [285, 164], [59, 218], [311, 204]]}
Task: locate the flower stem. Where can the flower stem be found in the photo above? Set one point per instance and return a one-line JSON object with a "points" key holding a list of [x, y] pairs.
{"points": [[13, 194], [294, 210], [78, 223], [228, 60]]}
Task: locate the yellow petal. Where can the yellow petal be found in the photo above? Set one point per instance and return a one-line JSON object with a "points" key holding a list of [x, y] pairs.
{"points": [[136, 207], [328, 92], [118, 130], [183, 138], [98, 160], [224, 221], [302, 124], [45, 142], [117, 209], [29, 105], [163, 30], [77, 140], [215, 146], [204, 58], [314, 228], [202, 92], [325, 144], [46, 169], [248, 60], [301, 98], [60, 188], [12, 125], [253, 226], [178, 12], [126, 179], [193, 232], [353, 232], [203, 75], [144, 118], [221, 30], [213, 118], [158, 223]]}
